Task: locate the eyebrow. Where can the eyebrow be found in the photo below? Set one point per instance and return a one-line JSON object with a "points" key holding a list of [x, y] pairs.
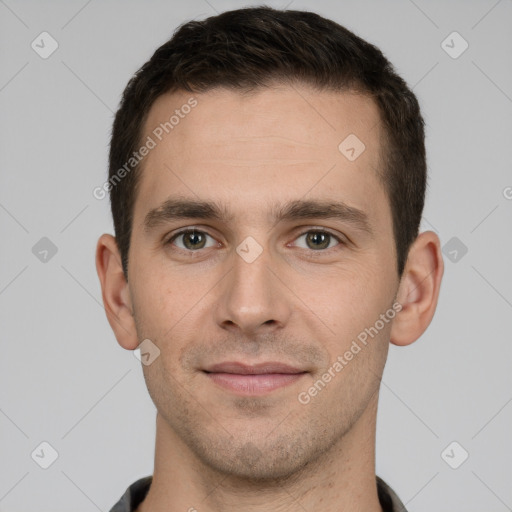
{"points": [[175, 209]]}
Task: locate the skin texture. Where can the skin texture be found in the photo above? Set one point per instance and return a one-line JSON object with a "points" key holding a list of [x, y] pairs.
{"points": [[217, 450]]}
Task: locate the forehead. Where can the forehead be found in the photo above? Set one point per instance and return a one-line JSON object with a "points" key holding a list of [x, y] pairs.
{"points": [[280, 117], [275, 144]]}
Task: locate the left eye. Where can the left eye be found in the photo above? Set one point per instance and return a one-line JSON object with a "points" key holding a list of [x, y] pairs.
{"points": [[318, 240]]}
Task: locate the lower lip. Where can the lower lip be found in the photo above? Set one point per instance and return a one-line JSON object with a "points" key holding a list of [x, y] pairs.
{"points": [[254, 384]]}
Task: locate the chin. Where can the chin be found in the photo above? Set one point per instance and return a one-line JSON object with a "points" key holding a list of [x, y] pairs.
{"points": [[260, 460]]}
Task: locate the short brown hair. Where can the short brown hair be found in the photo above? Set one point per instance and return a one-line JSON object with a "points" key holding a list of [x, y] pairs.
{"points": [[251, 48]]}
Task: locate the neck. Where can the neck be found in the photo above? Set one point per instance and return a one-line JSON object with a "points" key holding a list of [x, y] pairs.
{"points": [[343, 478]]}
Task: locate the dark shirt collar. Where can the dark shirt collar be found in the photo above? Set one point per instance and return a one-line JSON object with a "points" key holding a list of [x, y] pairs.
{"points": [[136, 493]]}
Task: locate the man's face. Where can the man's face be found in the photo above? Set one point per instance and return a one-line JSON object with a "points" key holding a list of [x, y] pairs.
{"points": [[211, 297]]}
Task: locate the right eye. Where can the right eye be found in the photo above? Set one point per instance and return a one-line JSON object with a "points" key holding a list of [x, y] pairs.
{"points": [[191, 240]]}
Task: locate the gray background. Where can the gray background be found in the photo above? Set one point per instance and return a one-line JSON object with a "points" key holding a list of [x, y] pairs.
{"points": [[64, 378]]}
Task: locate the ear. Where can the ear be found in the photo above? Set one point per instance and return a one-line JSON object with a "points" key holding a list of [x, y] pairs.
{"points": [[115, 292], [418, 291]]}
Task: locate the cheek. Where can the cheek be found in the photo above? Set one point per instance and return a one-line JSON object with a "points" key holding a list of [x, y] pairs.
{"points": [[348, 294], [346, 307], [169, 308], [158, 287], [156, 301]]}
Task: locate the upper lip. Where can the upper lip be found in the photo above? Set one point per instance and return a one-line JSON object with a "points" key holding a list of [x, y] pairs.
{"points": [[255, 369]]}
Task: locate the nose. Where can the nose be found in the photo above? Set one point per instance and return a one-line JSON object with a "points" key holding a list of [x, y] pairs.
{"points": [[252, 299]]}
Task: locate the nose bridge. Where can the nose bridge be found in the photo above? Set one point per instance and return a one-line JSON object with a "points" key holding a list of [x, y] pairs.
{"points": [[252, 297]]}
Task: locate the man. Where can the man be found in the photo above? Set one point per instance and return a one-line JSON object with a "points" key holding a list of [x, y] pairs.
{"points": [[267, 181]]}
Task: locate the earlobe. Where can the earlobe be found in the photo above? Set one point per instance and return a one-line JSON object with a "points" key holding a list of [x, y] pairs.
{"points": [[418, 291], [115, 292]]}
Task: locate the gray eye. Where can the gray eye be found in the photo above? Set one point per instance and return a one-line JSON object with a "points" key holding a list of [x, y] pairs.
{"points": [[318, 240]]}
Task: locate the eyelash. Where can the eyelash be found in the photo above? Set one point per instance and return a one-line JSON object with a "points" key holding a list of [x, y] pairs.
{"points": [[193, 230]]}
